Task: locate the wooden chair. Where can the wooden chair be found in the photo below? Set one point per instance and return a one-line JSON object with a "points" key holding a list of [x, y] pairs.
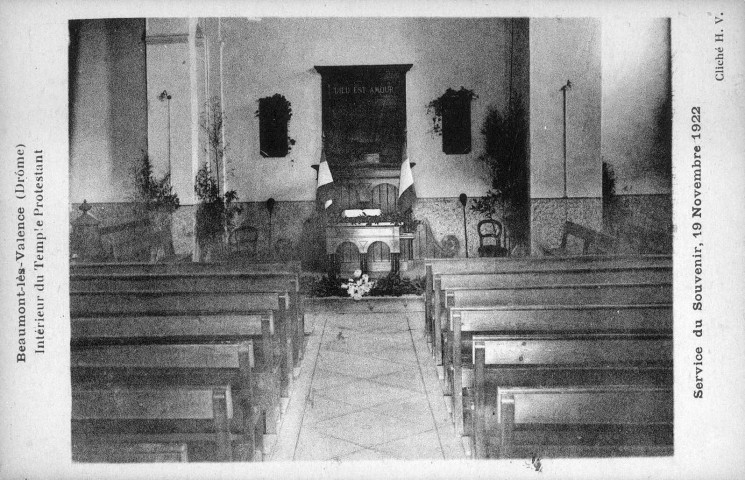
{"points": [[497, 249]]}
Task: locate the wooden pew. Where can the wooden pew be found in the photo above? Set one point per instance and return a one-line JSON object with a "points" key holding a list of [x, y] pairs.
{"points": [[587, 322], [158, 415], [504, 272], [272, 305], [651, 285], [286, 283], [195, 346], [583, 367], [619, 420], [145, 325]]}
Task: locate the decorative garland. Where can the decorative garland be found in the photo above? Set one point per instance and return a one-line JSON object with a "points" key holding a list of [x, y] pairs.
{"points": [[405, 220], [156, 193], [277, 110], [392, 285], [435, 107]]}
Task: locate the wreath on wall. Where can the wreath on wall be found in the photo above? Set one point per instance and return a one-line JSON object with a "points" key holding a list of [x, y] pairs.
{"points": [[435, 107], [274, 114]]}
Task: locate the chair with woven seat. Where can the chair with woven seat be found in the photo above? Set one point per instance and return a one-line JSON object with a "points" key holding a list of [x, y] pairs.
{"points": [[489, 250]]}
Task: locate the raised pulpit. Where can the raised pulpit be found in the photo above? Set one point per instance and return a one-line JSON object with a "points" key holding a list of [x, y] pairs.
{"points": [[364, 140]]}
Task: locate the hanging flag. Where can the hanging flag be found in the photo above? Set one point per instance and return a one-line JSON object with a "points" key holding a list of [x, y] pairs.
{"points": [[325, 190], [406, 193]]}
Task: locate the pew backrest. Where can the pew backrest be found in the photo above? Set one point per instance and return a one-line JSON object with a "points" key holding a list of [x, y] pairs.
{"points": [[170, 356], [198, 328], [564, 318], [95, 303], [185, 402], [231, 282], [599, 276], [593, 350], [612, 294], [123, 452], [602, 405], [185, 267]]}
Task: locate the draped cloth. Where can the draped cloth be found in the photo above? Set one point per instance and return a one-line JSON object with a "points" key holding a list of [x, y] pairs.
{"points": [[406, 192]]}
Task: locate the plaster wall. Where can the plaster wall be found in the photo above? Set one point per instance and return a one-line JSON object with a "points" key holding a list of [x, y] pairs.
{"points": [[564, 49], [636, 87], [108, 115], [277, 56]]}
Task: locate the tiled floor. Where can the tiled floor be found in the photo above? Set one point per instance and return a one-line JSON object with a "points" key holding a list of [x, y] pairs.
{"points": [[368, 390]]}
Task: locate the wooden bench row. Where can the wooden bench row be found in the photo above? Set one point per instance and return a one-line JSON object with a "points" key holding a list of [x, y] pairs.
{"points": [[580, 326], [531, 273], [566, 397], [175, 364]]}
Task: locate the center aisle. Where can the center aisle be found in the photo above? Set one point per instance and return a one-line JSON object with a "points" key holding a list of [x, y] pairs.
{"points": [[368, 390]]}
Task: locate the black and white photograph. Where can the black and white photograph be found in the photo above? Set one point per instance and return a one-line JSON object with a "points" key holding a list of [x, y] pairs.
{"points": [[314, 242]]}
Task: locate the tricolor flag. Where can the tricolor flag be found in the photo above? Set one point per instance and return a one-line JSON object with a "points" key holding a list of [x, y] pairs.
{"points": [[406, 193], [325, 189]]}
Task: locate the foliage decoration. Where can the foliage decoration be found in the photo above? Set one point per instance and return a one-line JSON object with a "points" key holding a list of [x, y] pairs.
{"points": [[403, 219], [326, 286], [155, 193], [506, 157], [394, 285], [435, 107], [211, 122], [216, 213], [275, 113]]}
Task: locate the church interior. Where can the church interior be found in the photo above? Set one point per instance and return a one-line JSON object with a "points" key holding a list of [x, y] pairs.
{"points": [[370, 239]]}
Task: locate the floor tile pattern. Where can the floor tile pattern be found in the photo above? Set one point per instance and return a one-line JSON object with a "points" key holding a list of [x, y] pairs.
{"points": [[368, 390]]}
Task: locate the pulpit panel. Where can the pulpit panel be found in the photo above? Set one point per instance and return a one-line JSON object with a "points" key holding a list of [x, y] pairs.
{"points": [[384, 196], [379, 257], [347, 196], [348, 257]]}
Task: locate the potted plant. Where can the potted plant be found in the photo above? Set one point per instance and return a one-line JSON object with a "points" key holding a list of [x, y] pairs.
{"points": [[158, 201], [506, 157]]}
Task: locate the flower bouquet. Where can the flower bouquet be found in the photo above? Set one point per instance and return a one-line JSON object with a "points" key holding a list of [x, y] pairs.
{"points": [[358, 285]]}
